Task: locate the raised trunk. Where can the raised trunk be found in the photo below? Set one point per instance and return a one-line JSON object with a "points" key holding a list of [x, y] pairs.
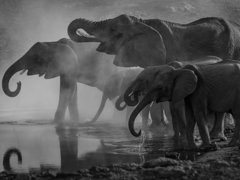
{"points": [[130, 97], [100, 109], [7, 156], [145, 101], [8, 75], [119, 106], [86, 25]]}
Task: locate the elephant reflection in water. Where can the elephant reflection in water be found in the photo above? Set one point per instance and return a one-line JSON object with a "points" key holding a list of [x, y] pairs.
{"points": [[104, 154], [7, 156], [100, 153]]}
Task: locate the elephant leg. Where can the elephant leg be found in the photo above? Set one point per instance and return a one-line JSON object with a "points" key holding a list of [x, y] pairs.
{"points": [[217, 131], [236, 133], [73, 105], [202, 127], [190, 124], [145, 115], [66, 86], [178, 119]]}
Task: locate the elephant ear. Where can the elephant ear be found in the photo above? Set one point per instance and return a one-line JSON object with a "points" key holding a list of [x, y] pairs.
{"points": [[51, 59], [144, 47], [185, 83]]}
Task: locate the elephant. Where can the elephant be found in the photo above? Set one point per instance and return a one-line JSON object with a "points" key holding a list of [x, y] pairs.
{"points": [[151, 42], [61, 58], [113, 88], [143, 83], [205, 89], [146, 42], [7, 156]]}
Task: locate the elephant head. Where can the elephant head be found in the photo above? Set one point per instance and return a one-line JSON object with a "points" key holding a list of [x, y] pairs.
{"points": [[142, 84], [51, 59], [173, 85], [132, 41]]}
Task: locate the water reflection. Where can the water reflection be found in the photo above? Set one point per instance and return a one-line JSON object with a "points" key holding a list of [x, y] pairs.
{"points": [[44, 147], [6, 158]]}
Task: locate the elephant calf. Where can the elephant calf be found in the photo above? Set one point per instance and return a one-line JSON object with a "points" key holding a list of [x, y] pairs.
{"points": [[115, 85], [206, 89]]}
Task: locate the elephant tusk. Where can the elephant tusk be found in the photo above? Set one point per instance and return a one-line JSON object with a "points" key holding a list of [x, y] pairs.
{"points": [[82, 32], [23, 71]]}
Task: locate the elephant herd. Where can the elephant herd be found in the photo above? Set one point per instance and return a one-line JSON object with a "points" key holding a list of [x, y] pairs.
{"points": [[194, 66]]}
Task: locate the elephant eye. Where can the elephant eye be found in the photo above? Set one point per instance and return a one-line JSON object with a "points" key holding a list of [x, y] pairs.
{"points": [[118, 36], [112, 29]]}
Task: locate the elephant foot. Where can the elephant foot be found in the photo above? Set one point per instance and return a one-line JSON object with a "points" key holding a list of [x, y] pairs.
{"points": [[58, 118], [74, 118], [192, 147], [74, 121], [58, 121], [208, 147], [232, 143], [218, 136]]}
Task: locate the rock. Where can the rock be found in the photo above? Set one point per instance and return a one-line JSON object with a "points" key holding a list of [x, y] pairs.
{"points": [[162, 162], [165, 172]]}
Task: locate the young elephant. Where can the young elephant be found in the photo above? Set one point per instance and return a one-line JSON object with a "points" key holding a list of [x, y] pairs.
{"points": [[118, 83], [206, 89], [143, 83]]}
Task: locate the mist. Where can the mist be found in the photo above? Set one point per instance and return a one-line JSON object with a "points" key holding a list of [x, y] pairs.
{"points": [[25, 22]]}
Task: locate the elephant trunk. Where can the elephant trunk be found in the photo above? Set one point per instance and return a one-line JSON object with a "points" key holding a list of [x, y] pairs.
{"points": [[8, 75], [130, 97], [100, 109], [148, 98], [88, 26], [120, 103], [7, 156]]}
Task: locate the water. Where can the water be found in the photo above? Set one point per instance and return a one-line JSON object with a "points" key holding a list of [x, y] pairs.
{"points": [[68, 149]]}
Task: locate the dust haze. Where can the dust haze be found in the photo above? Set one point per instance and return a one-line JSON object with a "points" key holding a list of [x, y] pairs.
{"points": [[25, 22]]}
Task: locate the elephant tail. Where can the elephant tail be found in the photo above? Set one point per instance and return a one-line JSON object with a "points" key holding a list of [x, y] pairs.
{"points": [[100, 109], [7, 156], [119, 106]]}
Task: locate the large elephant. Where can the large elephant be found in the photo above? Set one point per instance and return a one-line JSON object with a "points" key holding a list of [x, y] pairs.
{"points": [[148, 42], [205, 89], [60, 58], [138, 42]]}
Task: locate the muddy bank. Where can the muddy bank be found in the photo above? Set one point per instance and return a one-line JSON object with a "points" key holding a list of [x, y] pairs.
{"points": [[221, 164]]}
